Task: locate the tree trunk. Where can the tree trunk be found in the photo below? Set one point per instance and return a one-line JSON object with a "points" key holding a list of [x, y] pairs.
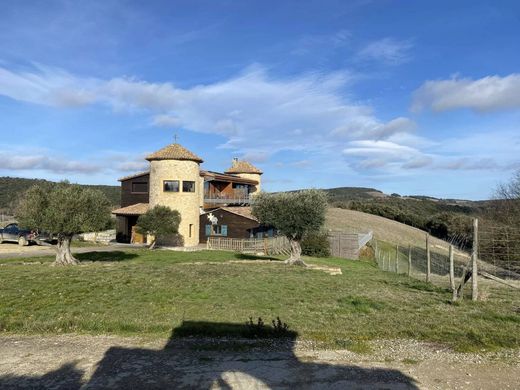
{"points": [[296, 254], [63, 254]]}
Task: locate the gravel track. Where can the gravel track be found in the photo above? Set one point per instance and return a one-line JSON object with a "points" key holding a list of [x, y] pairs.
{"points": [[102, 362]]}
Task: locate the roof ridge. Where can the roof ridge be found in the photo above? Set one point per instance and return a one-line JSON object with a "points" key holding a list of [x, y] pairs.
{"points": [[174, 152], [242, 166]]}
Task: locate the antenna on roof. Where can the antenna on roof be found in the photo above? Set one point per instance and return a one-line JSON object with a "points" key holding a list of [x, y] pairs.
{"points": [[175, 137]]}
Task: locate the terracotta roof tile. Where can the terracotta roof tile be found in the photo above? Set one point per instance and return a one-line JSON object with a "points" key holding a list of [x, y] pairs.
{"points": [[135, 209], [243, 167], [174, 152]]}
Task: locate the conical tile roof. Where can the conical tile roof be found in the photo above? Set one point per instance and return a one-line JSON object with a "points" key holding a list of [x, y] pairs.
{"points": [[243, 167], [174, 152]]}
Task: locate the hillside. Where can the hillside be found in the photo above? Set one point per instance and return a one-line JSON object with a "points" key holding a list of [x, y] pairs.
{"points": [[342, 194], [11, 188], [448, 219], [384, 229]]}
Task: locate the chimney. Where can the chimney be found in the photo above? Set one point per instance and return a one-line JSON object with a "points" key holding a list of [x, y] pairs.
{"points": [[235, 161]]}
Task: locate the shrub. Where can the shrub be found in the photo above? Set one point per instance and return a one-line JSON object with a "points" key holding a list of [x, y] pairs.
{"points": [[316, 245]]}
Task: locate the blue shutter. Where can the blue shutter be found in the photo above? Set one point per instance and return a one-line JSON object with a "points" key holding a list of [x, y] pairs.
{"points": [[208, 230], [224, 230]]}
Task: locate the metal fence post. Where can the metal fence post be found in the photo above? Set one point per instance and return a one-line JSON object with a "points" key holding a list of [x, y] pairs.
{"points": [[452, 276], [428, 258], [409, 260], [397, 259], [474, 258]]}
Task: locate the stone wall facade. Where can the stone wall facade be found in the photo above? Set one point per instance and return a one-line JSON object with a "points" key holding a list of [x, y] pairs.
{"points": [[253, 176], [102, 237], [187, 203]]}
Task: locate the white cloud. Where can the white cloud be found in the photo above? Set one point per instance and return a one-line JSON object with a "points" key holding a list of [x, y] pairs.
{"points": [[366, 125], [256, 114], [166, 121], [46, 163], [387, 50], [489, 93], [252, 110]]}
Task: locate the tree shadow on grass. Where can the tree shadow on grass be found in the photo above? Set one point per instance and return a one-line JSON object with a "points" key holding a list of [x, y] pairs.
{"points": [[101, 256], [209, 355], [245, 256]]}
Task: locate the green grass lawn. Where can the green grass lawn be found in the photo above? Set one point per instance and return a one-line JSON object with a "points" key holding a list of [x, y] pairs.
{"points": [[141, 292]]}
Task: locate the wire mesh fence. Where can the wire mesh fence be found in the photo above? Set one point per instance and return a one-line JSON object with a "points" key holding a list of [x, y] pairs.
{"points": [[499, 246], [413, 260], [496, 250]]}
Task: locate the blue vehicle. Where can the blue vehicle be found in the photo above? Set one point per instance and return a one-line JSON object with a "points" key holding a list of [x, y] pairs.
{"points": [[13, 233]]}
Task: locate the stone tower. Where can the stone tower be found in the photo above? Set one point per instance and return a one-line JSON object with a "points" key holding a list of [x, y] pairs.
{"points": [[175, 182], [247, 171]]}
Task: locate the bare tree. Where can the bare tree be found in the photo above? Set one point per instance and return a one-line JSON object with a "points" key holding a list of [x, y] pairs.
{"points": [[507, 201]]}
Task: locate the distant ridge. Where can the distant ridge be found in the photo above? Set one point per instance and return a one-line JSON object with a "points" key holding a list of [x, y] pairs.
{"points": [[11, 189]]}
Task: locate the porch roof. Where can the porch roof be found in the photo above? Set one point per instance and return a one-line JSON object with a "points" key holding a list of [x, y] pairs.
{"points": [[238, 210], [135, 209], [133, 176]]}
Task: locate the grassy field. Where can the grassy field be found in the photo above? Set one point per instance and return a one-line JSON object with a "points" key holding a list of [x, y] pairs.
{"points": [[148, 293]]}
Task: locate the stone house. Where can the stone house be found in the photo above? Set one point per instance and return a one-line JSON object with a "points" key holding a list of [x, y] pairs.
{"points": [[210, 203]]}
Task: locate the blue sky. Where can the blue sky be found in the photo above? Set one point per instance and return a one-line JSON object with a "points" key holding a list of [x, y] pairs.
{"points": [[412, 97]]}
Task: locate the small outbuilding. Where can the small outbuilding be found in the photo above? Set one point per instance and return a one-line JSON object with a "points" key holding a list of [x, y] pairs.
{"points": [[232, 222]]}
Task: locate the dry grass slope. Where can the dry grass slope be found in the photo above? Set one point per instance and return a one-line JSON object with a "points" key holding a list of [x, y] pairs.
{"points": [[395, 233], [384, 229]]}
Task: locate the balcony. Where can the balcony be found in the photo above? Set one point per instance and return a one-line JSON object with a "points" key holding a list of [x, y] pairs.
{"points": [[235, 197]]}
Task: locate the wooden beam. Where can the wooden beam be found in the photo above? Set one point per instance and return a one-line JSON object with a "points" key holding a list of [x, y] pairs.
{"points": [[497, 279]]}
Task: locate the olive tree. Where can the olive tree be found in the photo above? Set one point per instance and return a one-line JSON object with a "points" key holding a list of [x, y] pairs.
{"points": [[159, 222], [293, 214], [63, 210]]}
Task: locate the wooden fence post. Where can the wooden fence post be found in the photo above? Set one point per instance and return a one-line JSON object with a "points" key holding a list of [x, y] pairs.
{"points": [[428, 259], [397, 259], [452, 276], [474, 258], [409, 260]]}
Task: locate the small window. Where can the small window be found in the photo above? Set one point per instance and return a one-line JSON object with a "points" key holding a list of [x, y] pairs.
{"points": [[139, 187], [188, 186], [216, 230], [191, 230], [171, 185]]}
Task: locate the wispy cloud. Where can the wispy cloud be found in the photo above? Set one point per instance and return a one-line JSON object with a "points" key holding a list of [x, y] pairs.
{"points": [[387, 50], [310, 43], [256, 113], [47, 163], [15, 158], [491, 93]]}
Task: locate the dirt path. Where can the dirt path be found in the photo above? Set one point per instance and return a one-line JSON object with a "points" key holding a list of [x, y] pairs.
{"points": [[100, 362]]}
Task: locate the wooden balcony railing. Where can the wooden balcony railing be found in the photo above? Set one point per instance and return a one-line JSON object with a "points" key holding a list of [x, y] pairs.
{"points": [[236, 197]]}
